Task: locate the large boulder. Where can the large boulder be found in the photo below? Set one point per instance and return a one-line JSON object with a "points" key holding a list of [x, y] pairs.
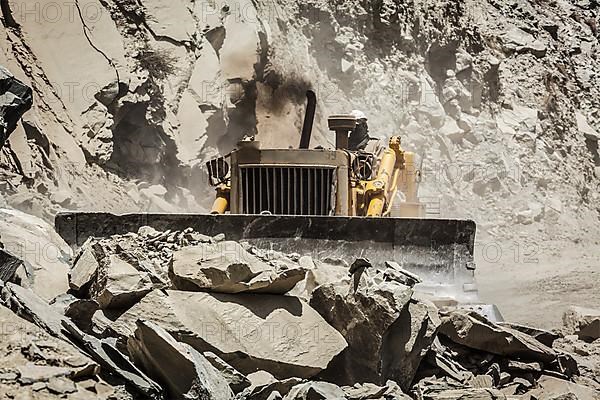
{"points": [[408, 341], [226, 267], [15, 99], [44, 253], [387, 334], [279, 334], [472, 330], [583, 322], [181, 369]]}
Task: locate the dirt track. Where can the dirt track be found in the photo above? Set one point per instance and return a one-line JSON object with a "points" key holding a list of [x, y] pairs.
{"points": [[544, 281]]}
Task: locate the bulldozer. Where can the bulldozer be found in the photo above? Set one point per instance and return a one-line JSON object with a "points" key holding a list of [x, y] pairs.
{"points": [[337, 203]]}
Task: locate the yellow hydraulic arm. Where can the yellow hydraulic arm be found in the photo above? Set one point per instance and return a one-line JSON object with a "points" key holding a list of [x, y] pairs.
{"points": [[221, 203], [387, 178]]}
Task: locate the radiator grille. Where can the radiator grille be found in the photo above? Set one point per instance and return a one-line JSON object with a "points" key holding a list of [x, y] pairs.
{"points": [[287, 190]]}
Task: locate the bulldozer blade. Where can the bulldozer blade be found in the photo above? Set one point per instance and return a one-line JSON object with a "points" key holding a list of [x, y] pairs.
{"points": [[439, 251]]}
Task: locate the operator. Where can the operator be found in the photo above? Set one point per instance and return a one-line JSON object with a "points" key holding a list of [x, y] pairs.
{"points": [[359, 137]]}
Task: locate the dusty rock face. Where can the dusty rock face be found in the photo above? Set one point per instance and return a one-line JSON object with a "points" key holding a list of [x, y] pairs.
{"points": [[153, 91], [281, 334], [15, 99], [131, 97]]}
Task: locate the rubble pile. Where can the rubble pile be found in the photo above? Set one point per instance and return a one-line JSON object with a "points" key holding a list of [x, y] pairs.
{"points": [[181, 315]]}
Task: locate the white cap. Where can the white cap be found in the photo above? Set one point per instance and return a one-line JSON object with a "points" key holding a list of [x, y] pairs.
{"points": [[358, 114]]}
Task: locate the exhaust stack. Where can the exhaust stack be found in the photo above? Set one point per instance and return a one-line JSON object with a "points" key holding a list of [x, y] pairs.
{"points": [[309, 117]]}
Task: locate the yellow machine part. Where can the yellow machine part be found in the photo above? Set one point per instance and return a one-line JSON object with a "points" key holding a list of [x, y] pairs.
{"points": [[221, 203], [387, 175]]}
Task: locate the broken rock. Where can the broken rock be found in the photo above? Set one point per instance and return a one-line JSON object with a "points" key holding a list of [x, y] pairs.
{"points": [[237, 381], [520, 41], [184, 371], [28, 305], [319, 273], [226, 267], [315, 391], [21, 342], [366, 391], [44, 253], [466, 394], [31, 373], [554, 388], [84, 270], [583, 322], [541, 335], [112, 360], [364, 311], [61, 386], [270, 390], [8, 266], [123, 285], [15, 99], [408, 341], [473, 330], [279, 334]]}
